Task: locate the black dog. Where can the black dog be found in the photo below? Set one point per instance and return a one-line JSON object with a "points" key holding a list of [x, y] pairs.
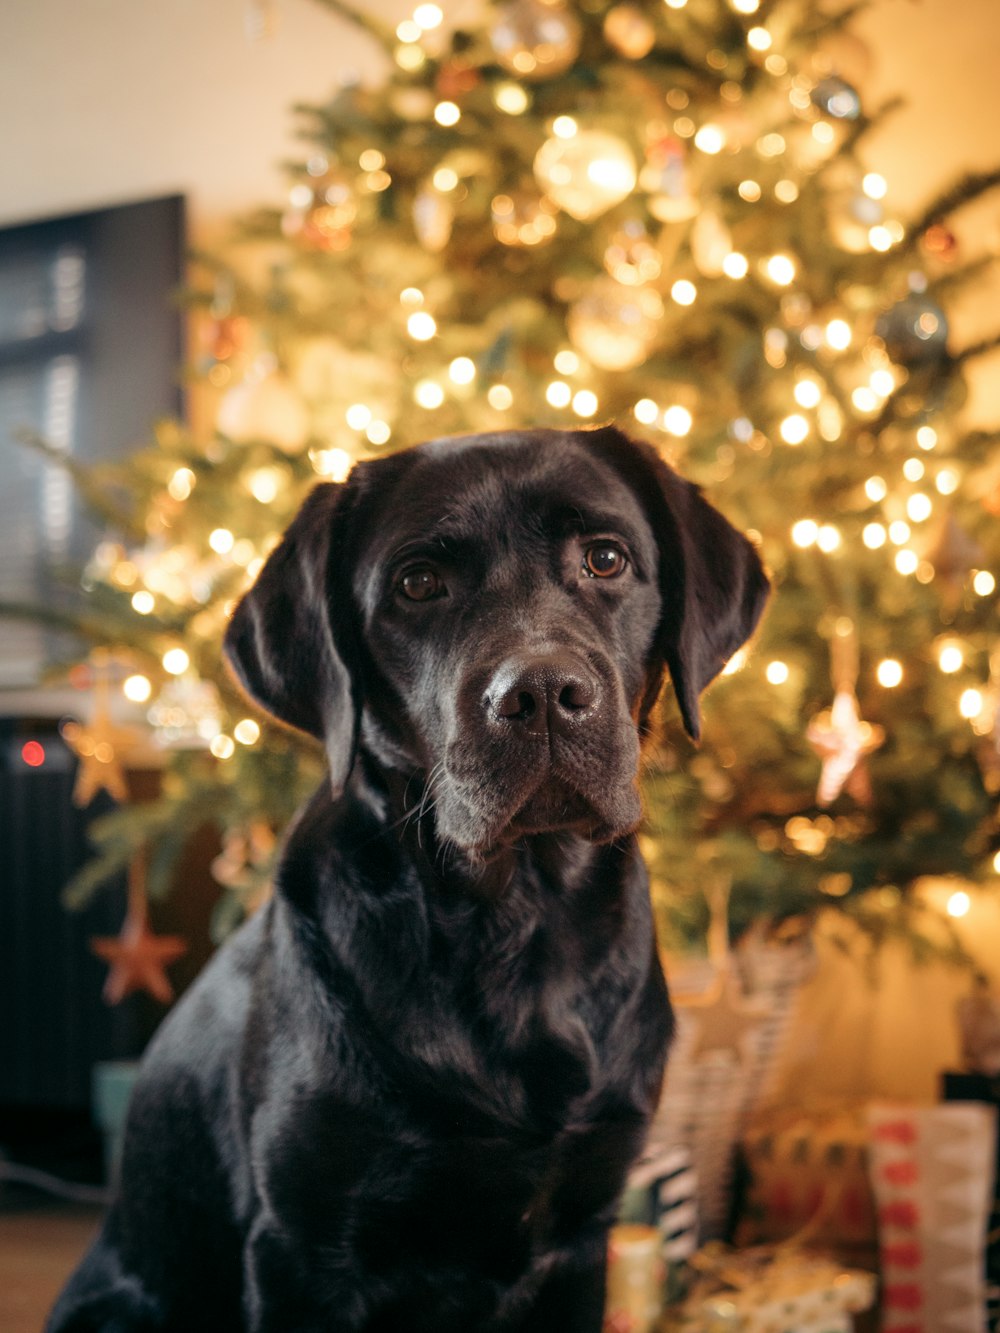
{"points": [[405, 1096]]}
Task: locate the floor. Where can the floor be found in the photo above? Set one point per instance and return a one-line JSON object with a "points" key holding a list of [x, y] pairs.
{"points": [[40, 1243]]}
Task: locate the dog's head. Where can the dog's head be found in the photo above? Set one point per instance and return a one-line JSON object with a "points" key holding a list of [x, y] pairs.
{"points": [[495, 614]]}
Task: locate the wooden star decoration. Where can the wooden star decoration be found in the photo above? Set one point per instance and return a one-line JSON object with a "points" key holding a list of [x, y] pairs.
{"points": [[724, 1018], [97, 747], [842, 740], [137, 956]]}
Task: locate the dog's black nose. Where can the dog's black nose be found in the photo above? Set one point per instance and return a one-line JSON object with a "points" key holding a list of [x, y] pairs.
{"points": [[542, 693]]}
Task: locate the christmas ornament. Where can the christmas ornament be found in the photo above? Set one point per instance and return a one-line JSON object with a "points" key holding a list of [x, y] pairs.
{"points": [[265, 407], [615, 326], [137, 956], [842, 739], [631, 257], [629, 31], [665, 179], [939, 243], [837, 98], [322, 211], [433, 217], [536, 39], [724, 1019], [456, 78], [523, 219], [586, 174], [99, 744], [711, 243], [914, 330]]}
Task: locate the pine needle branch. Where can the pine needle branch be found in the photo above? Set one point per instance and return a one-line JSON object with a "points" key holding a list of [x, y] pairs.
{"points": [[957, 195]]}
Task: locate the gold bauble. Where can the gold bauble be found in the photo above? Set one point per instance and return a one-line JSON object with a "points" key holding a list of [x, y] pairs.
{"points": [[629, 31], [536, 39], [586, 174], [615, 326]]}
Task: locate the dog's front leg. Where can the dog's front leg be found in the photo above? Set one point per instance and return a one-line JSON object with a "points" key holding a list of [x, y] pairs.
{"points": [[289, 1289], [571, 1298]]}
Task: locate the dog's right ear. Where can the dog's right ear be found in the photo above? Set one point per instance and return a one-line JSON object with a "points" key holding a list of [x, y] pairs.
{"points": [[281, 641]]}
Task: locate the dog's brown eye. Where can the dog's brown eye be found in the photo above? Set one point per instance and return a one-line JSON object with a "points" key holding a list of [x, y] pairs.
{"points": [[420, 585], [604, 560]]}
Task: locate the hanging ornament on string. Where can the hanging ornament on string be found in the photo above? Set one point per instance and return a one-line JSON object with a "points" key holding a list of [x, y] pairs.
{"points": [[536, 39], [322, 211], [631, 257], [838, 735], [523, 219], [628, 30], [433, 218], [711, 243], [265, 408], [837, 98], [99, 744], [666, 179], [615, 326], [138, 958], [587, 173], [914, 330]]}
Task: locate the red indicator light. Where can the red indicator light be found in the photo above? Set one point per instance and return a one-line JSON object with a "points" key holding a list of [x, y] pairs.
{"points": [[33, 754]]}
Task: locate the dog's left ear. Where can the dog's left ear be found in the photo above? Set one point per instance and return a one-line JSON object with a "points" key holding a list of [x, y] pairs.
{"points": [[712, 582], [286, 639]]}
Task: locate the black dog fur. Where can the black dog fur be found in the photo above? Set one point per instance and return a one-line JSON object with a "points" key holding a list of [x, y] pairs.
{"points": [[405, 1096]]}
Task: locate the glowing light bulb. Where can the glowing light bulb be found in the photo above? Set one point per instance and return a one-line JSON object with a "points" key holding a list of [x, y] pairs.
{"points": [[462, 370], [684, 292], [358, 416], [946, 481], [927, 437], [882, 382], [907, 561], [566, 362], [564, 127], [677, 420], [137, 688], [759, 39], [874, 185], [646, 411], [558, 394], [736, 663], [880, 238], [919, 507], [181, 484], [378, 432], [735, 265], [428, 16], [445, 179], [983, 583], [913, 469], [421, 326], [176, 661], [710, 139], [874, 536], [499, 397], [864, 399], [585, 403], [838, 334], [428, 394], [222, 746], [970, 704], [951, 658], [807, 393], [828, 538], [899, 532], [221, 541], [958, 904], [876, 489], [447, 114], [889, 673], [776, 672], [143, 602], [781, 269], [805, 532], [264, 484], [794, 428], [749, 191], [247, 731]]}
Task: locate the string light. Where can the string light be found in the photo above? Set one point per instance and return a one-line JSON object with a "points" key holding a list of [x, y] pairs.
{"points": [[746, 6], [946, 481], [677, 420], [970, 704], [805, 532], [735, 265], [759, 39], [874, 185], [566, 362], [176, 661], [408, 31], [882, 382], [445, 179], [378, 432], [776, 672], [585, 403], [221, 541], [876, 489], [874, 536], [781, 269], [247, 731], [447, 114], [828, 538], [907, 561], [264, 484], [736, 663], [334, 464], [951, 658], [794, 429], [137, 688], [428, 16], [411, 296], [558, 394], [838, 335], [499, 397], [428, 394], [927, 437], [983, 583], [143, 602], [807, 393], [710, 139], [462, 370], [222, 746], [913, 469], [899, 532], [880, 238], [864, 399], [684, 292], [181, 484], [646, 411], [786, 192], [919, 507], [421, 326], [889, 673], [958, 904], [749, 191]]}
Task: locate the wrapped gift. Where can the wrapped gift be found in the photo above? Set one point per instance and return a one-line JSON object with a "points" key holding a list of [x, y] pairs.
{"points": [[932, 1170], [635, 1279], [808, 1175], [972, 1087], [768, 1291]]}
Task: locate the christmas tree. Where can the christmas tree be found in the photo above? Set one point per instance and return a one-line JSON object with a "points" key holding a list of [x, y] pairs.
{"points": [[657, 213]]}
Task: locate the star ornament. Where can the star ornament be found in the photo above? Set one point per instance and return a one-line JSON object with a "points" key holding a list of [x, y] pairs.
{"points": [[842, 740], [97, 747], [138, 958]]}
